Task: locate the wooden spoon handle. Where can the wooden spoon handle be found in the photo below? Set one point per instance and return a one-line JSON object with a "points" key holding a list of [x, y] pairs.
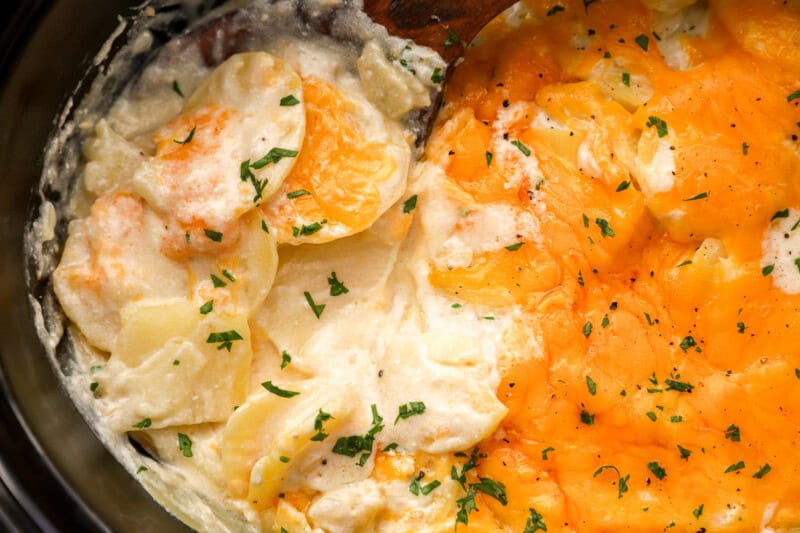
{"points": [[434, 23]]}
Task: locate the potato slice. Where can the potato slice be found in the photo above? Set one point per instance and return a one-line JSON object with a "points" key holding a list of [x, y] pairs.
{"points": [[268, 436], [229, 149], [110, 259], [174, 366], [353, 167]]}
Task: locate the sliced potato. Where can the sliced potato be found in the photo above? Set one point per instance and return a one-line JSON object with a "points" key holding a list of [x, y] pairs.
{"points": [[229, 149], [174, 366], [110, 259]]}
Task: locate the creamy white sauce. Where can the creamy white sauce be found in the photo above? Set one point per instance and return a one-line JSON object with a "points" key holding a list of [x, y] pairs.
{"points": [[781, 249]]}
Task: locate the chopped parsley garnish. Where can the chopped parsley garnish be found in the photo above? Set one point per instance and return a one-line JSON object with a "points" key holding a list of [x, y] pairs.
{"points": [[587, 417], [546, 451], [587, 329], [680, 386], [228, 275], [141, 469], [649, 319], [489, 157], [188, 138], [185, 444], [622, 482], [177, 88], [284, 459], [605, 322], [307, 230], [264, 227], [685, 263], [659, 124], [643, 41], [763, 471], [687, 343], [286, 359], [585, 220], [657, 469], [699, 511], [676, 419], [740, 327], [410, 409], [456, 305], [144, 424], [797, 263], [735, 467], [745, 148], [437, 76], [215, 236], [685, 452], [732, 433], [93, 386], [410, 204], [273, 156], [626, 79], [651, 415], [355, 444], [452, 38], [535, 522], [490, 487], [700, 196], [624, 185], [321, 418], [318, 309], [767, 270], [289, 101], [277, 391], [581, 282], [555, 9], [297, 194], [605, 229], [514, 247], [416, 488], [207, 307], [794, 96], [337, 287], [224, 338], [390, 447], [591, 385], [784, 213], [522, 148]]}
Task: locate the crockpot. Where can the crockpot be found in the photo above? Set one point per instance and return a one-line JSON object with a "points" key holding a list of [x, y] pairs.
{"points": [[55, 475]]}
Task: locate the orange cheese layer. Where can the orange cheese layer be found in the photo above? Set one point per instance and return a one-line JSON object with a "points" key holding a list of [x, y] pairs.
{"points": [[669, 354]]}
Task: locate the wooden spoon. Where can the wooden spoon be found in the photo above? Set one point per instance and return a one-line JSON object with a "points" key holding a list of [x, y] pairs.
{"points": [[447, 26]]}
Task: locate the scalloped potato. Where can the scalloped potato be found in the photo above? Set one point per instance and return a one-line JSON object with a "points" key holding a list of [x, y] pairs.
{"points": [[577, 310]]}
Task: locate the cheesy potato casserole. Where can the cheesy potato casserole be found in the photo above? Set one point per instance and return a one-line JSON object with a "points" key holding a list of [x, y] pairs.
{"points": [[577, 310]]}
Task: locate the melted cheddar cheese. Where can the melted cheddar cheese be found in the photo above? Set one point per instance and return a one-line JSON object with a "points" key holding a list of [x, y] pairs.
{"points": [[661, 165]]}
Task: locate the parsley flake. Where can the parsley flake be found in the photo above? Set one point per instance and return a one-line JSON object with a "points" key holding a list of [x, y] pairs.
{"points": [[587, 329], [185, 444], [735, 467], [437, 76], [622, 482], [657, 469], [289, 101], [700, 196], [626, 79], [587, 417], [745, 148], [699, 511], [297, 194], [224, 338], [763, 471], [794, 96], [188, 138], [514, 247], [410, 409], [144, 424], [767, 270], [177, 88], [535, 522], [522, 148], [660, 125], [452, 38], [277, 391], [489, 157], [207, 307], [215, 236], [624, 185], [286, 359], [605, 229], [643, 41], [318, 309], [337, 287], [546, 451], [685, 452], [732, 433], [273, 157], [591, 385], [321, 418], [555, 9], [410, 204]]}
